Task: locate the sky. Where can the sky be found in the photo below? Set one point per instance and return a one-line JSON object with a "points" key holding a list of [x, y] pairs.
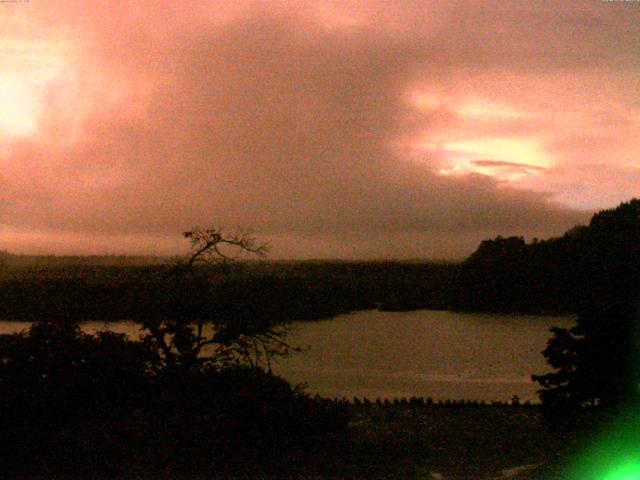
{"points": [[332, 129]]}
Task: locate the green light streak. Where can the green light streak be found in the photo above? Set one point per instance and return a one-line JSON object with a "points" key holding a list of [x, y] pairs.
{"points": [[629, 471], [615, 455]]}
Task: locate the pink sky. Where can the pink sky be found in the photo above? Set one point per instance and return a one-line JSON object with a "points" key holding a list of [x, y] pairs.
{"points": [[343, 129]]}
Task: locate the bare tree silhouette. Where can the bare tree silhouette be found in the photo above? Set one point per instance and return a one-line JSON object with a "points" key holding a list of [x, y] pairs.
{"points": [[215, 339]]}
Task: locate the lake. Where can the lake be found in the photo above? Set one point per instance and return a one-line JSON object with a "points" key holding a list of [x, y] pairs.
{"points": [[428, 353], [423, 353]]}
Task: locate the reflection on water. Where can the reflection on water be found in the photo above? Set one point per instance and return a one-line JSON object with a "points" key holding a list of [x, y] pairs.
{"points": [[424, 353]]}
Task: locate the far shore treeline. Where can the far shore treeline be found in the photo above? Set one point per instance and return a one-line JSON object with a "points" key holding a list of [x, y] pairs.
{"points": [[277, 291], [506, 274]]}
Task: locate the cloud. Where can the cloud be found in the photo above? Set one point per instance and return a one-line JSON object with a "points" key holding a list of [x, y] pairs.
{"points": [[509, 165], [291, 117]]}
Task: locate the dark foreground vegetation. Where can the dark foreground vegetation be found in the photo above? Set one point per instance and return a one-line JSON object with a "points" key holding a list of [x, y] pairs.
{"points": [[194, 397], [75, 405], [85, 406]]}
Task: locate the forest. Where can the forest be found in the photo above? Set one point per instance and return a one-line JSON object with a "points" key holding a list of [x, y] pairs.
{"points": [[505, 274], [187, 402], [285, 291]]}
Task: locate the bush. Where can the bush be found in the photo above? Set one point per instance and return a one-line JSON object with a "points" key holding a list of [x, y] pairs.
{"points": [[74, 401]]}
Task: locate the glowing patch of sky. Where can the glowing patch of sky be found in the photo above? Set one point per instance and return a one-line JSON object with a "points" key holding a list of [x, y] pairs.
{"points": [[512, 150], [26, 69], [484, 109], [506, 159], [474, 107], [18, 107]]}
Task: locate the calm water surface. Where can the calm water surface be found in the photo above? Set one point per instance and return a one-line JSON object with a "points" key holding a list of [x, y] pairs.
{"points": [[424, 353]]}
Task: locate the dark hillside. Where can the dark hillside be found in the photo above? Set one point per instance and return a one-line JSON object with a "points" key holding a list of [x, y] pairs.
{"points": [[555, 275]]}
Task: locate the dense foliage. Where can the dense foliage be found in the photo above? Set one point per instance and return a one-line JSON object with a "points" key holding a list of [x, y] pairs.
{"points": [[510, 275], [194, 394], [597, 361], [558, 275], [73, 403]]}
